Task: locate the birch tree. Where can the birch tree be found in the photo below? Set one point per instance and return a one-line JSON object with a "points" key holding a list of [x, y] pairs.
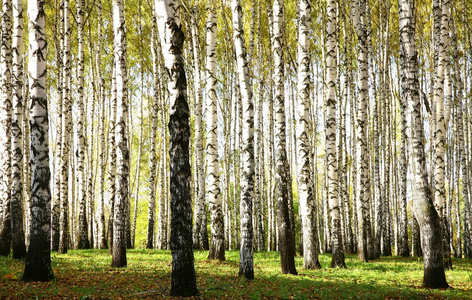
{"points": [[122, 146], [200, 204], [101, 231], [18, 234], [217, 245], [440, 126], [246, 259], [282, 173], [423, 207], [181, 242], [5, 128], [305, 185], [83, 241], [152, 151], [38, 261], [66, 130], [330, 127], [362, 197]]}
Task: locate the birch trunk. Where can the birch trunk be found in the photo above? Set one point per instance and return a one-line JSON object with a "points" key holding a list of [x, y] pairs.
{"points": [[181, 243], [101, 232], [332, 174], [122, 150], [38, 261], [111, 178], [362, 182], [282, 173], [461, 148], [200, 197], [423, 207], [64, 232], [5, 128], [305, 184], [56, 170], [246, 261], [152, 151], [217, 250], [259, 145], [83, 242], [17, 199], [440, 128]]}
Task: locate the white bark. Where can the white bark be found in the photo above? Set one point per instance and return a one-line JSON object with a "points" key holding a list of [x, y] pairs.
{"points": [[246, 261], [17, 211], [122, 150], [200, 199], [305, 184], [330, 128], [83, 242], [38, 262], [66, 133], [5, 128], [217, 250]]}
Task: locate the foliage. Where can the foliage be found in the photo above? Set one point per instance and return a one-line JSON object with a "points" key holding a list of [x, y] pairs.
{"points": [[86, 274]]}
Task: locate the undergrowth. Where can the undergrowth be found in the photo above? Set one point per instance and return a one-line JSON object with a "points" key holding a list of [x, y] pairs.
{"points": [[86, 274]]}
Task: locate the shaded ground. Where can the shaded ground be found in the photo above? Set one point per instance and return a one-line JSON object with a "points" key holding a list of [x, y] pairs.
{"points": [[87, 274]]}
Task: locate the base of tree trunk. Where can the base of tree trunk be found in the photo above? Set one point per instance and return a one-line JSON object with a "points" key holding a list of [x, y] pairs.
{"points": [[217, 250], [5, 237], [338, 261], [38, 263], [435, 278], [246, 269], [184, 282], [19, 252], [312, 266]]}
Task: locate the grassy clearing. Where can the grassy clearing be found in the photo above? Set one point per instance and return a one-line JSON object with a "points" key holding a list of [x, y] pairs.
{"points": [[87, 274]]}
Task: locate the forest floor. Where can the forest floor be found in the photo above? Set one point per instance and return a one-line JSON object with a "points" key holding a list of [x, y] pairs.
{"points": [[86, 274]]}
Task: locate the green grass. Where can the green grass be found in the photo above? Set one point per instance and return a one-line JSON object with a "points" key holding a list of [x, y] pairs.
{"points": [[87, 274]]}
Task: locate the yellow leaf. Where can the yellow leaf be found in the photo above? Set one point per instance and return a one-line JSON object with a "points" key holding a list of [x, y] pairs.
{"points": [[10, 276]]}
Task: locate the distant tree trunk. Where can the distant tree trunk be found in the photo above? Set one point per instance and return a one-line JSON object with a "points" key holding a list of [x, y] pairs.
{"points": [[26, 168], [379, 202], [227, 164], [461, 134], [332, 171], [200, 197], [440, 129], [163, 199], [238, 157], [101, 230], [64, 232], [246, 260], [386, 248], [5, 131], [17, 199], [217, 250], [271, 235], [259, 197], [362, 159], [122, 150], [57, 172], [423, 207], [405, 252], [181, 243], [152, 151], [38, 261], [306, 193], [111, 179], [83, 242]]}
